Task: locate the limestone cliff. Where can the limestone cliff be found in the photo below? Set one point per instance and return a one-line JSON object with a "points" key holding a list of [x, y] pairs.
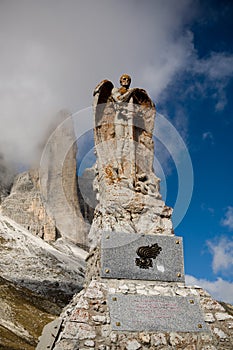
{"points": [[55, 271], [25, 206], [86, 195], [37, 278], [58, 183], [6, 178], [45, 200]]}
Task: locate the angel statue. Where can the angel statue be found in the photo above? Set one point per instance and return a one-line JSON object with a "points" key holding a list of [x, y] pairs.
{"points": [[124, 123]]}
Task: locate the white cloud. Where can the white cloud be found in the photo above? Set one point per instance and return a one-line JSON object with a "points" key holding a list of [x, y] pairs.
{"points": [[218, 66], [217, 70], [221, 248], [228, 219], [54, 54], [220, 289], [168, 63], [205, 207], [208, 136], [222, 251]]}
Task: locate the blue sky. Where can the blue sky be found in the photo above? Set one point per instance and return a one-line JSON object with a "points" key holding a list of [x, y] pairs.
{"points": [[181, 51], [205, 105]]}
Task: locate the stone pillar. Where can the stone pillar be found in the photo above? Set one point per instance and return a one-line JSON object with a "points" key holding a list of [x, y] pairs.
{"points": [[58, 183]]}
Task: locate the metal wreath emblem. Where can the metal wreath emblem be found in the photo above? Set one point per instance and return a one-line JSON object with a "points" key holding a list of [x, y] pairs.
{"points": [[146, 254]]}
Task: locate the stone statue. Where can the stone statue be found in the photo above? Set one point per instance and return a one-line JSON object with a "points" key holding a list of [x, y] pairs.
{"points": [[127, 187], [124, 123]]}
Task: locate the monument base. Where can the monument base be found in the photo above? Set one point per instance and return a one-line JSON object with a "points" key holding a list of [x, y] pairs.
{"points": [[88, 323]]}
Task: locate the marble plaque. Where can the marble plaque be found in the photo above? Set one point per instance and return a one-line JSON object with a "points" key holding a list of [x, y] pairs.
{"points": [[155, 313], [145, 257]]}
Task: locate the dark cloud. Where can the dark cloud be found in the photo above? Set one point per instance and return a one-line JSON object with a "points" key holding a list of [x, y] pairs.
{"points": [[54, 53]]}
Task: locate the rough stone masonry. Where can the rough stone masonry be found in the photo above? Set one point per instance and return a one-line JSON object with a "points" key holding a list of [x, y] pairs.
{"points": [[133, 297]]}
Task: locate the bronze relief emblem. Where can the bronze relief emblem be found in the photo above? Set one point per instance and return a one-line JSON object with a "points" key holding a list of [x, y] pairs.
{"points": [[146, 254]]}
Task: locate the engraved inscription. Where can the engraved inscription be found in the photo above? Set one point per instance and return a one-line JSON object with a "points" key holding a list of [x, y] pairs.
{"points": [[156, 313], [153, 309], [146, 254]]}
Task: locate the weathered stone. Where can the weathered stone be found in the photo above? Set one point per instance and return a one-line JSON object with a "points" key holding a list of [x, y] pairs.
{"points": [[124, 289], [105, 330], [222, 316], [190, 347], [209, 317], [94, 291], [99, 318], [89, 343], [220, 333], [80, 315], [158, 339], [206, 337], [198, 293], [103, 347], [128, 190], [68, 344], [182, 292], [86, 194], [85, 331], [211, 304], [71, 330], [7, 174], [81, 331], [82, 303], [161, 290], [113, 337], [133, 345], [144, 338], [25, 206], [58, 181], [176, 339]]}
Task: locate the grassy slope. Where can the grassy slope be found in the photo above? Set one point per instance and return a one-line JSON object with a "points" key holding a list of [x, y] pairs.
{"points": [[22, 316]]}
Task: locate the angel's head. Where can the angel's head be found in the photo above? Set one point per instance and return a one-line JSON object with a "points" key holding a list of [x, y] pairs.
{"points": [[125, 80]]}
